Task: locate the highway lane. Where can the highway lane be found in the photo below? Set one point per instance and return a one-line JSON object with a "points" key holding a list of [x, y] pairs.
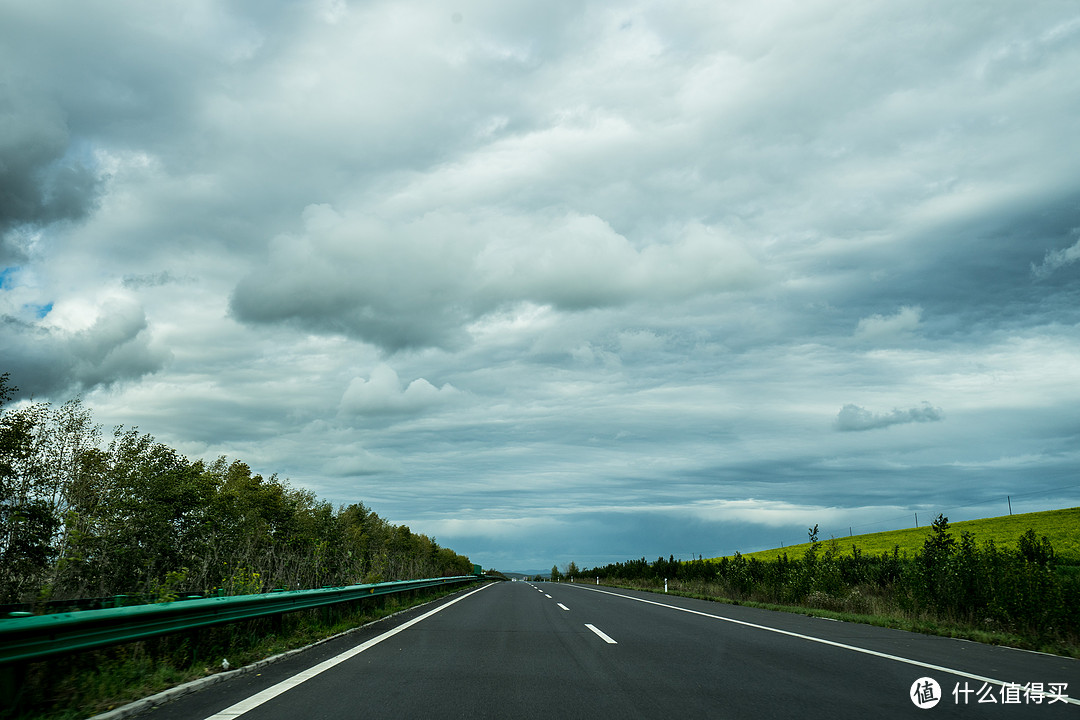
{"points": [[789, 660], [564, 650]]}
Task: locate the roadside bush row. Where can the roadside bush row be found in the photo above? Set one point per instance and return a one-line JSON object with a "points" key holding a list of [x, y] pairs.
{"points": [[79, 518], [1022, 590]]}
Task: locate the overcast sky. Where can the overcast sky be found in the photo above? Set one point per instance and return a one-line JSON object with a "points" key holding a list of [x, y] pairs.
{"points": [[561, 281]]}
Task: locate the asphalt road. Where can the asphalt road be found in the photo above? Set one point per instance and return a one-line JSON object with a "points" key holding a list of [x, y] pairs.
{"points": [[545, 650]]}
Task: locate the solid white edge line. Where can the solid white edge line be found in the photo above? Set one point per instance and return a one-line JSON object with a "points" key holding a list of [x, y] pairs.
{"points": [[273, 691], [823, 641], [601, 634]]}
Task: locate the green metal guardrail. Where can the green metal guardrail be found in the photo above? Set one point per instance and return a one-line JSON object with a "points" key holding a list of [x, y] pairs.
{"points": [[26, 639]]}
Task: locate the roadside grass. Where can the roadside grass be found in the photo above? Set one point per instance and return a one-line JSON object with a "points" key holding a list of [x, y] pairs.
{"points": [[89, 683], [1061, 527], [868, 608]]}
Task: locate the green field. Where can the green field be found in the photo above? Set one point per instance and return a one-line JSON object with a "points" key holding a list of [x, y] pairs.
{"points": [[1061, 527]]}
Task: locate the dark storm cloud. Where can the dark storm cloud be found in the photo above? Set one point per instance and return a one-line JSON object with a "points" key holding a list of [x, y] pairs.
{"points": [[45, 362], [40, 182]]}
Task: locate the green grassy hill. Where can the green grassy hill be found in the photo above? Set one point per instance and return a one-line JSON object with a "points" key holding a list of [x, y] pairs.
{"points": [[1062, 527]]}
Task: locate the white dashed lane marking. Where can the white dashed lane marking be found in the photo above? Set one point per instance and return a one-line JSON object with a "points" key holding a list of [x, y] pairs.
{"points": [[600, 633]]}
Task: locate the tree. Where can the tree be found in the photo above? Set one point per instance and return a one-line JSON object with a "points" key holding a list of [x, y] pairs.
{"points": [[137, 517], [939, 544], [26, 523]]}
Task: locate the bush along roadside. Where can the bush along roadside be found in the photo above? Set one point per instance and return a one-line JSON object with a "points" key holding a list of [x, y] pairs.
{"points": [[953, 586]]}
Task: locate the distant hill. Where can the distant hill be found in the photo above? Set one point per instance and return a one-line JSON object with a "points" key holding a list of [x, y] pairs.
{"points": [[1061, 527]]}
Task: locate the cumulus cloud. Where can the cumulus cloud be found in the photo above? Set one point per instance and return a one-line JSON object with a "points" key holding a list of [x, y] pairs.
{"points": [[887, 328], [46, 360], [364, 280], [853, 418], [420, 282], [40, 183], [382, 393]]}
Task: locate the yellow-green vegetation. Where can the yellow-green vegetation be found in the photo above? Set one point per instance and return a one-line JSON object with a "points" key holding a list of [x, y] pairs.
{"points": [[997, 580], [1061, 527]]}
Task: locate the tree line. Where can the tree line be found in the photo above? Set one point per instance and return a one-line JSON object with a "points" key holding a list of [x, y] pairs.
{"points": [[81, 518], [1026, 589]]}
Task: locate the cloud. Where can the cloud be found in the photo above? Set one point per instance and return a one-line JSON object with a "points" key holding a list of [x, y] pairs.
{"points": [[382, 393], [649, 243], [40, 182], [853, 418], [48, 360], [1025, 55], [638, 341], [420, 282], [1057, 259], [494, 528], [360, 462], [149, 280], [890, 328]]}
